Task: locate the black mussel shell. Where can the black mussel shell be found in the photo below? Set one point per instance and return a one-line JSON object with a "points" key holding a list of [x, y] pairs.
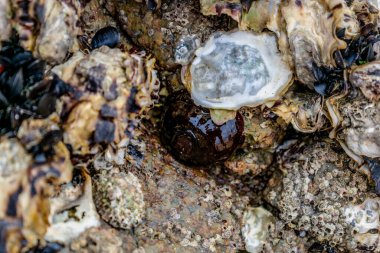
{"points": [[326, 79], [107, 36], [192, 137], [151, 4]]}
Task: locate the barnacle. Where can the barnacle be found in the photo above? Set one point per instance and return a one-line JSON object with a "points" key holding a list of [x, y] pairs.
{"points": [[119, 199]]}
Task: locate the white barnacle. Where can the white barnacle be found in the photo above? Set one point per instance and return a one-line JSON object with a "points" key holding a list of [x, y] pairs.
{"points": [[238, 69]]}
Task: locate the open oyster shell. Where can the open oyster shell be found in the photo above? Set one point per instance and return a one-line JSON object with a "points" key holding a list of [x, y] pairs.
{"points": [[236, 69]]}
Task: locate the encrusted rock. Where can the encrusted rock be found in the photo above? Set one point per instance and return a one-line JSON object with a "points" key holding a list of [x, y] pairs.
{"points": [[318, 192]]}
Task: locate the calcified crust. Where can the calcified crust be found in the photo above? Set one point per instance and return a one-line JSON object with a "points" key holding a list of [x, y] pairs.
{"points": [[237, 69]]}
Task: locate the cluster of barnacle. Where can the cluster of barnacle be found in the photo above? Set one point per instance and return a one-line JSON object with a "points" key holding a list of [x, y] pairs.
{"points": [[295, 62]]}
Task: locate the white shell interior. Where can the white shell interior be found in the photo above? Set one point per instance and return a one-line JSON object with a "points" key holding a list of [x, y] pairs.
{"points": [[238, 69]]}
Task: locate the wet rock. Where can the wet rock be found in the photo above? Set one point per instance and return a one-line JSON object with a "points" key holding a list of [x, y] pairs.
{"points": [[185, 210]]}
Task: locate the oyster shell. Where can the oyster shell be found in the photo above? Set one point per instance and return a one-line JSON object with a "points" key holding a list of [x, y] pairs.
{"points": [[111, 89], [361, 127], [257, 221], [47, 28], [72, 209], [311, 28], [27, 183], [304, 109], [237, 69], [58, 31]]}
